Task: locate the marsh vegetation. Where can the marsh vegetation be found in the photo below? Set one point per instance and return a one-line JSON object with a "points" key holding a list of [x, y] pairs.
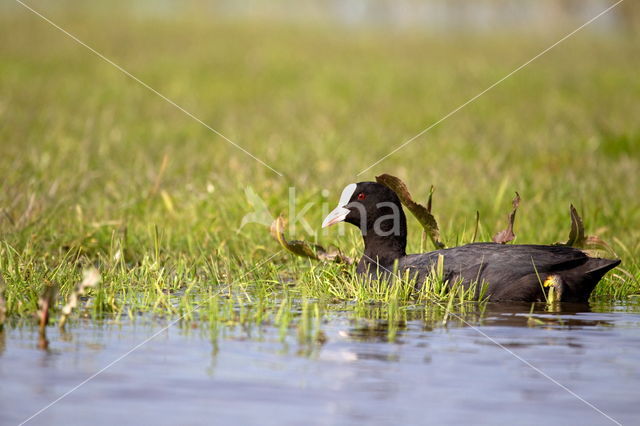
{"points": [[100, 173]]}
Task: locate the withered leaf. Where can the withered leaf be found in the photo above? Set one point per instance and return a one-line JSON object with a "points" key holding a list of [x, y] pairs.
{"points": [[576, 235], [90, 279], [420, 212], [475, 231], [594, 242], [507, 234], [429, 201], [303, 248], [45, 304]]}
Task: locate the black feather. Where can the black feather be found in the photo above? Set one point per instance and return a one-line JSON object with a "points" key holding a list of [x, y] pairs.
{"points": [[511, 272]]}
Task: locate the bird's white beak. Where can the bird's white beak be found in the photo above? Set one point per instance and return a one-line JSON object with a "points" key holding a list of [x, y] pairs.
{"points": [[337, 215], [340, 213]]}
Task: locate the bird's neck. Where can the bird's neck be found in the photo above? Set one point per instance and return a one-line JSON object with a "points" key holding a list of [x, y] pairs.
{"points": [[384, 246]]}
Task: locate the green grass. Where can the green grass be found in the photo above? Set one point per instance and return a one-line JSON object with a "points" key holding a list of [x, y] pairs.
{"points": [[98, 171]]}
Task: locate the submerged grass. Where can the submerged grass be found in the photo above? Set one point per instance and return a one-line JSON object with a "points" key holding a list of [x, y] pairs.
{"points": [[98, 172]]}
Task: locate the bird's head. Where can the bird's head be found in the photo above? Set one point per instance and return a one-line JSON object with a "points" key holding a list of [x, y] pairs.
{"points": [[372, 207]]}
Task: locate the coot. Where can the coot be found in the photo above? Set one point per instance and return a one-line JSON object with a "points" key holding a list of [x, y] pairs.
{"points": [[510, 272]]}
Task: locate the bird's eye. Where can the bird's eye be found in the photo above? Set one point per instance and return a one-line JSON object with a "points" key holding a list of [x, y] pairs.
{"points": [[362, 196]]}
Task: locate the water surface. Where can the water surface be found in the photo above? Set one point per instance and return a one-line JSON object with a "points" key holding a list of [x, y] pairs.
{"points": [[352, 374]]}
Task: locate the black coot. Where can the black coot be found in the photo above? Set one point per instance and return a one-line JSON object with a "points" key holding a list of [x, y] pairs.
{"points": [[512, 272]]}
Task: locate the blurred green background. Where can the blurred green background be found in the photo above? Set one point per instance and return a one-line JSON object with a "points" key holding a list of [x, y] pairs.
{"points": [[92, 162]]}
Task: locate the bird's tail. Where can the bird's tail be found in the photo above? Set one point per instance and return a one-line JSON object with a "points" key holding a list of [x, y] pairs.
{"points": [[581, 281], [597, 267]]}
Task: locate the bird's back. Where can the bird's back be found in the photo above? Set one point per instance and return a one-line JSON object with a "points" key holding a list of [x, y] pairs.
{"points": [[516, 272]]}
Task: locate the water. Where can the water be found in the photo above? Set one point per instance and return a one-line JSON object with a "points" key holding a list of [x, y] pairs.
{"points": [[429, 374]]}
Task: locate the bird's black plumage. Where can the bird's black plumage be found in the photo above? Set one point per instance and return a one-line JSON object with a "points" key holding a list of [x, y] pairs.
{"points": [[510, 272]]}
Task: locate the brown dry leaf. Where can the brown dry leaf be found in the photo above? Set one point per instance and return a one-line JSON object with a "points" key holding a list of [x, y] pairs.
{"points": [[420, 212], [429, 201], [598, 243], [507, 235], [303, 248], [576, 235], [90, 279], [475, 230], [45, 304]]}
